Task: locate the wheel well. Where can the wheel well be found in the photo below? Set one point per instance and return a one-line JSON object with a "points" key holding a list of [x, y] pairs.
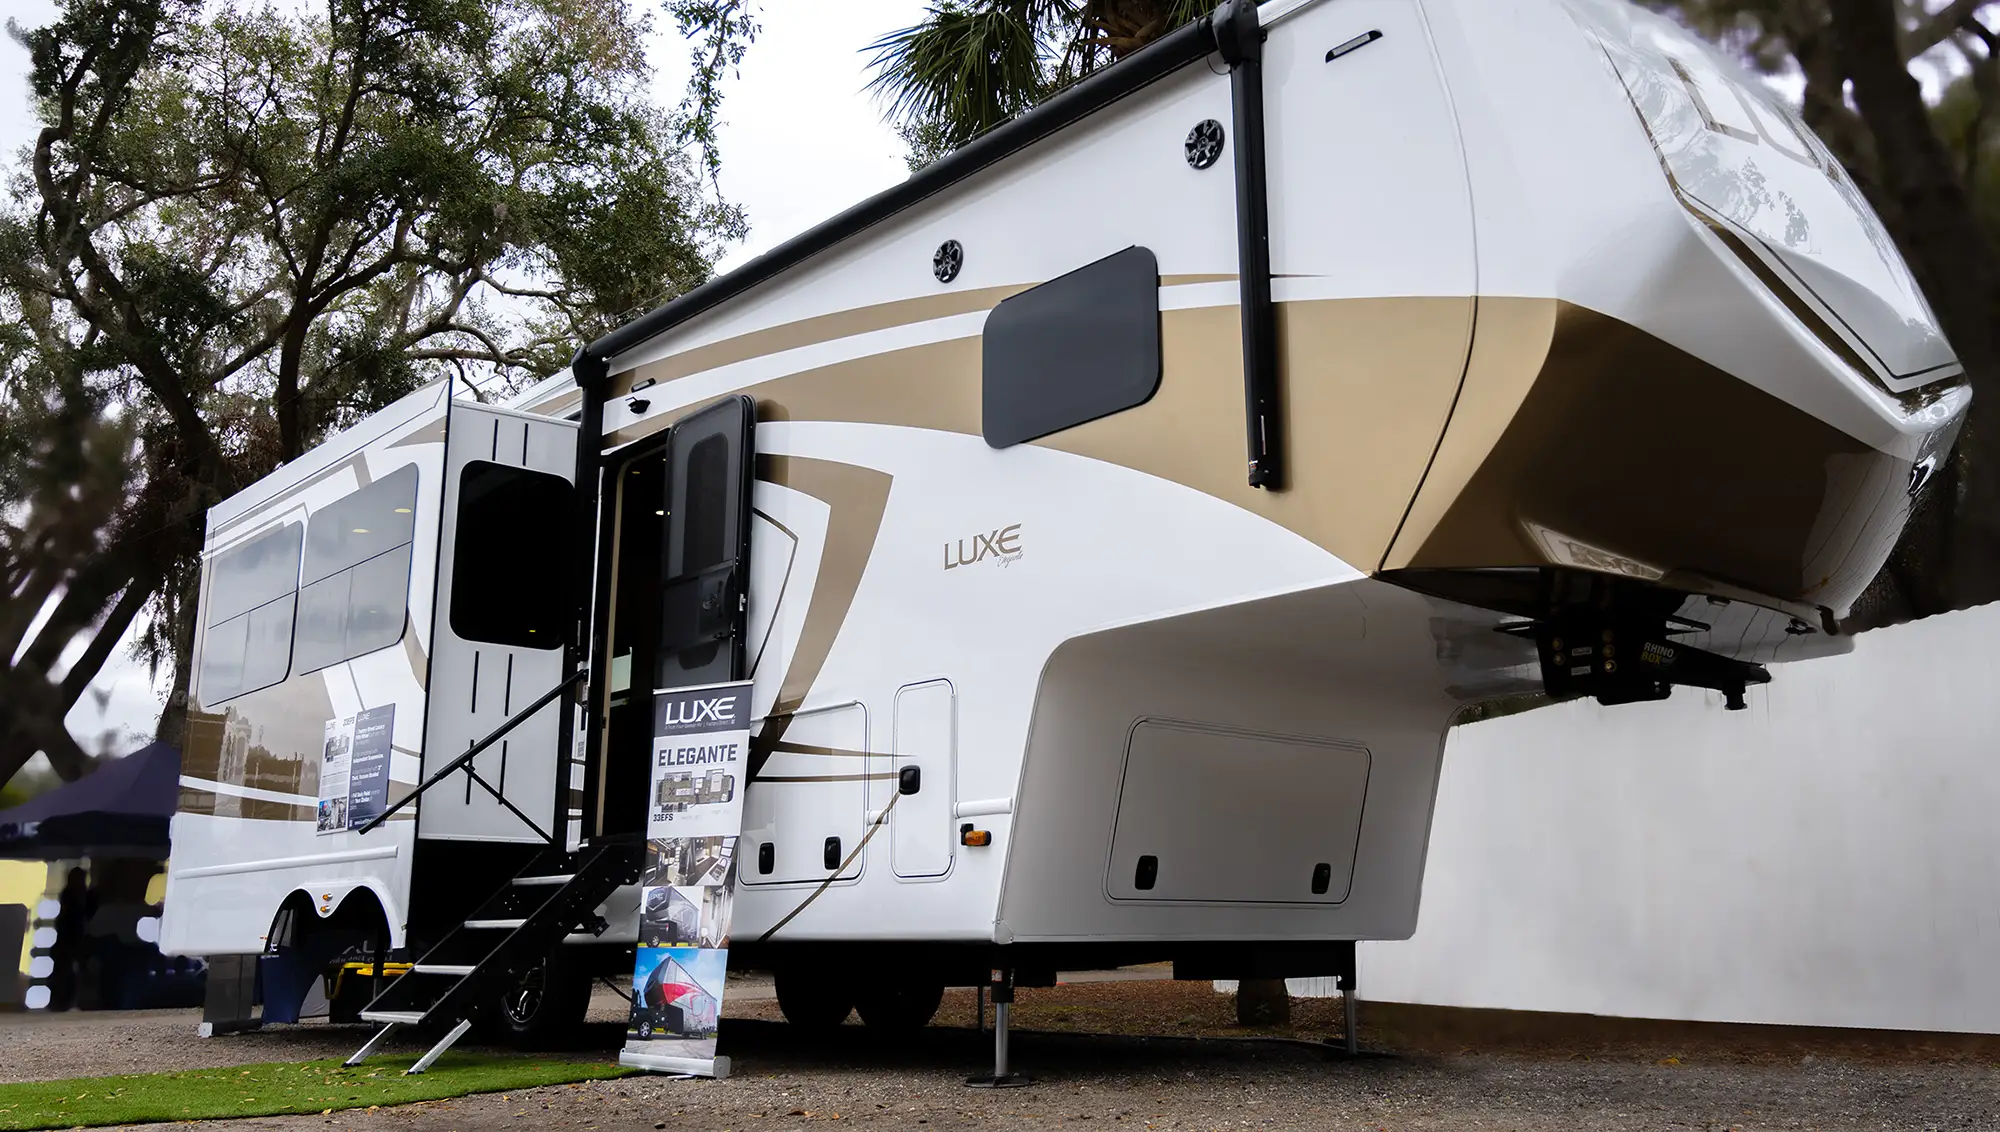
{"points": [[359, 917], [303, 945]]}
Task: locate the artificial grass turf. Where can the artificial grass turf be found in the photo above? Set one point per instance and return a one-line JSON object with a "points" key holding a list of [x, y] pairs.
{"points": [[277, 1087]]}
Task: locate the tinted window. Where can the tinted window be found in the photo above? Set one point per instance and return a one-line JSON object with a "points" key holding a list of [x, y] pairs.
{"points": [[701, 609], [1073, 349], [359, 526], [355, 599], [507, 558], [251, 590], [707, 523]]}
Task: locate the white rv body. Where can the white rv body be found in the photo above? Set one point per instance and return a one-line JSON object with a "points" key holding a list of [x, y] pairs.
{"points": [[1532, 325]]}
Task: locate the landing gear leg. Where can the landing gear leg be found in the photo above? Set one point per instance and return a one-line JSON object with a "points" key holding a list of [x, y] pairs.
{"points": [[1002, 986], [1350, 1000]]}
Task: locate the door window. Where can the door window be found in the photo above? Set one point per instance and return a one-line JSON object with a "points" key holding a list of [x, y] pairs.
{"points": [[508, 569]]}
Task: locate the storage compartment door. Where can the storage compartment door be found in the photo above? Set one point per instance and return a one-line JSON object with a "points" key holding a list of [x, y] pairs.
{"points": [[806, 809], [1221, 816], [920, 826]]}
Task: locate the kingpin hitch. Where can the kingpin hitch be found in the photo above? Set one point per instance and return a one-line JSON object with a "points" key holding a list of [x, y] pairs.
{"points": [[1632, 660]]}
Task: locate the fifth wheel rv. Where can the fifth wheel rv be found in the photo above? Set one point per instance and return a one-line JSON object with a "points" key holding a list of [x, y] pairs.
{"points": [[1107, 578]]}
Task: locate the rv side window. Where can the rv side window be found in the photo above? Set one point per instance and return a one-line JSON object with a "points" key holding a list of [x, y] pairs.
{"points": [[252, 591], [1074, 349], [356, 586], [507, 556]]}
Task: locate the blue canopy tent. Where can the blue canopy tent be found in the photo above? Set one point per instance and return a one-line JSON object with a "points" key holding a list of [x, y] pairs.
{"points": [[121, 810], [116, 819]]}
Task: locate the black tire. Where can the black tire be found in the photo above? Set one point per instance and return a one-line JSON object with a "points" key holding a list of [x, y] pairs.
{"points": [[543, 1008], [810, 1001], [900, 1008]]}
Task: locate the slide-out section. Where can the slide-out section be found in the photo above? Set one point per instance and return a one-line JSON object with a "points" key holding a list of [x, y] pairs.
{"points": [[496, 645]]}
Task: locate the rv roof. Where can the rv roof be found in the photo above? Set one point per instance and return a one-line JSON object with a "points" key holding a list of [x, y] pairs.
{"points": [[1159, 59]]}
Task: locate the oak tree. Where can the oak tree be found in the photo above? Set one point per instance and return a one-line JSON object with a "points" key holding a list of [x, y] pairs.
{"points": [[240, 229]]}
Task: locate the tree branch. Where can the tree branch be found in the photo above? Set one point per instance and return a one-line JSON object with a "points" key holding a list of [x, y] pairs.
{"points": [[1940, 25]]}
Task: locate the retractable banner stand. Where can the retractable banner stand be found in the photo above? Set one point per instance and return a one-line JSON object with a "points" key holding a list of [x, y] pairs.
{"points": [[701, 746]]}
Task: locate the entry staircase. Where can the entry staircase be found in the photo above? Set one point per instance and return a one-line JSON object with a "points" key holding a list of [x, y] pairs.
{"points": [[508, 936], [555, 896]]}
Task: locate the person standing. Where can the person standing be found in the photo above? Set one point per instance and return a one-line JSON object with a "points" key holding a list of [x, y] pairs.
{"points": [[68, 953]]}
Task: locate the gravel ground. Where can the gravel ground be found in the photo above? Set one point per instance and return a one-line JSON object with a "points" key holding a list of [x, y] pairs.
{"points": [[1452, 1071]]}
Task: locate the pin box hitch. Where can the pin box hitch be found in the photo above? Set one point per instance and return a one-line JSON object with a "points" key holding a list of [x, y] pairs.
{"points": [[1632, 660]]}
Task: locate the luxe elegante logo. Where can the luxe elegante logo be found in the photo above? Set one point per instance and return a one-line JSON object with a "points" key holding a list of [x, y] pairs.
{"points": [[700, 711], [1002, 546]]}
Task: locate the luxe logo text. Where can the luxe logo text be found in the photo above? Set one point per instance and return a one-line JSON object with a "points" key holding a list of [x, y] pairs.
{"points": [[700, 711], [1003, 545]]}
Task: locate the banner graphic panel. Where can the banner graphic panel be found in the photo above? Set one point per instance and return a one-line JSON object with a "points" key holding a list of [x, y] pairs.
{"points": [[701, 748]]}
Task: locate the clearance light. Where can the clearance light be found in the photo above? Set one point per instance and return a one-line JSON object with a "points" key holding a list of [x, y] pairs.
{"points": [[361, 530], [402, 510], [977, 838]]}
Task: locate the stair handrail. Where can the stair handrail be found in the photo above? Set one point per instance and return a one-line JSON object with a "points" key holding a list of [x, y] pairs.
{"points": [[475, 750]]}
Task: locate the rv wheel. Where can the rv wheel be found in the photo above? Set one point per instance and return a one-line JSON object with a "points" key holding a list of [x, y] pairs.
{"points": [[543, 1006], [811, 1001], [900, 1008]]}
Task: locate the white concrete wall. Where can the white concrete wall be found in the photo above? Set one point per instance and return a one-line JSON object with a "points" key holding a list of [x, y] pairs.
{"points": [[1830, 856]]}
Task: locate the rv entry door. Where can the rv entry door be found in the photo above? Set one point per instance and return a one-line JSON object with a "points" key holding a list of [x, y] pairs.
{"points": [[704, 580], [498, 627]]}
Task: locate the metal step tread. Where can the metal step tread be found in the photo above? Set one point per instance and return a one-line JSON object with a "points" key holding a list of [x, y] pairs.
{"points": [[545, 880], [443, 968], [508, 925], [410, 1017]]}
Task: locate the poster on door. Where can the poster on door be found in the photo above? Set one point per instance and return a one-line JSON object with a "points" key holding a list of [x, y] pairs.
{"points": [[336, 756], [701, 747], [368, 765]]}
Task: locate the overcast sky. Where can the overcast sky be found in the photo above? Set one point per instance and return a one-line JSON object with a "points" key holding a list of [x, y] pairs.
{"points": [[800, 141]]}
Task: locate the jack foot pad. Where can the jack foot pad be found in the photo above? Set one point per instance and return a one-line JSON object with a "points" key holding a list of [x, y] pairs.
{"points": [[999, 1081]]}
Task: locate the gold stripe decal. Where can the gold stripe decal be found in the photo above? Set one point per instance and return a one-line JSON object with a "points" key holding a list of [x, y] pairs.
{"points": [[811, 332], [858, 498]]}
